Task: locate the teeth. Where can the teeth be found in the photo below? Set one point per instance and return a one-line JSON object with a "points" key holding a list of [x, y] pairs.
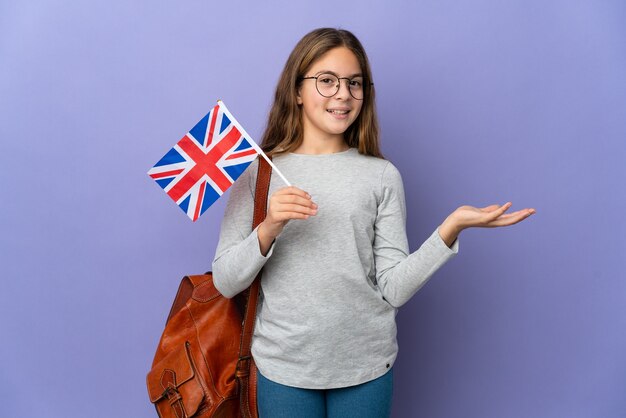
{"points": [[338, 112]]}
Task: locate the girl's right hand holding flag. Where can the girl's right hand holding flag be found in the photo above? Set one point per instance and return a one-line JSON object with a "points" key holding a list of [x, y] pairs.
{"points": [[285, 204]]}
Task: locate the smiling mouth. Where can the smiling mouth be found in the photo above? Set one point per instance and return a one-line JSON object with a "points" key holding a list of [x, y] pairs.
{"points": [[338, 112]]}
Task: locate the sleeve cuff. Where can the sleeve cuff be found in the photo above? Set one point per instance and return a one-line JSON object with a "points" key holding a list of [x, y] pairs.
{"points": [[437, 241], [255, 234]]}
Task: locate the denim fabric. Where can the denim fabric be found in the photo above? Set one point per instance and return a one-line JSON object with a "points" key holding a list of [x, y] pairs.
{"points": [[368, 400]]}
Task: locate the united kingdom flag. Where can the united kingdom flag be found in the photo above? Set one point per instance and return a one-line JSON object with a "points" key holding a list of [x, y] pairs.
{"points": [[205, 162]]}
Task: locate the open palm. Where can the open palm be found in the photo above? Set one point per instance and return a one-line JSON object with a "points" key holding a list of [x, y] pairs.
{"points": [[490, 216]]}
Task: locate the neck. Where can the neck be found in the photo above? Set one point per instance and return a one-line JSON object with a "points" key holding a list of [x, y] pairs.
{"points": [[324, 146]]}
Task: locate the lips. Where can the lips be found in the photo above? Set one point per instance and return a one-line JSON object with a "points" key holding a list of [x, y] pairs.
{"points": [[338, 111]]}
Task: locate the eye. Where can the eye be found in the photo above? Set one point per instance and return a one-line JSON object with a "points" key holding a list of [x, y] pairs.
{"points": [[356, 82], [324, 79]]}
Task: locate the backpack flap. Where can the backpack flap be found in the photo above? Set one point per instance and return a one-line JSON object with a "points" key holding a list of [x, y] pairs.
{"points": [[173, 384]]}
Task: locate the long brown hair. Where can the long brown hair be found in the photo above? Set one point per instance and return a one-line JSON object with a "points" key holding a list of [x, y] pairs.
{"points": [[284, 132]]}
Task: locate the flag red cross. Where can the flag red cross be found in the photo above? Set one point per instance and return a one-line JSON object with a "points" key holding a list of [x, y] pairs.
{"points": [[205, 163]]}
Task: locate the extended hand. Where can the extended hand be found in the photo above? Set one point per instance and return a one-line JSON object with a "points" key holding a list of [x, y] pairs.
{"points": [[489, 216]]}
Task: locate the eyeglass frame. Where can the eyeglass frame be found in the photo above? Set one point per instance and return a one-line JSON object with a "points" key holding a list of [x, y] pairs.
{"points": [[339, 81]]}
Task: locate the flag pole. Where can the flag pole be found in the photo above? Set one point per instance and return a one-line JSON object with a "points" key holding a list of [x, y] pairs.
{"points": [[254, 145]]}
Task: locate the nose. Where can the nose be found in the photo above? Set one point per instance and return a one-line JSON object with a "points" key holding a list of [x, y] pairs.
{"points": [[343, 93]]}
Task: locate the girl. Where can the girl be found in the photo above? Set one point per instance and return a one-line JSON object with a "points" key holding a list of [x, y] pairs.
{"points": [[334, 250]]}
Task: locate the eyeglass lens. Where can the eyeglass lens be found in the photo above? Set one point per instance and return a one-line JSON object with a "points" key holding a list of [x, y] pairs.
{"points": [[328, 85]]}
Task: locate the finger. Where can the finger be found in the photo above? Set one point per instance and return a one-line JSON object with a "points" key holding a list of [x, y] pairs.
{"points": [[510, 219], [511, 214], [517, 212], [293, 190], [288, 207], [287, 216], [492, 216], [490, 208], [502, 209], [293, 198], [521, 212]]}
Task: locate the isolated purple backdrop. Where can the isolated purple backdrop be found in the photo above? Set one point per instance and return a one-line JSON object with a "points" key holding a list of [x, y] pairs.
{"points": [[521, 100]]}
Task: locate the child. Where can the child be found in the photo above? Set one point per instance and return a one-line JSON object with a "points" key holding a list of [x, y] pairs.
{"points": [[334, 250]]}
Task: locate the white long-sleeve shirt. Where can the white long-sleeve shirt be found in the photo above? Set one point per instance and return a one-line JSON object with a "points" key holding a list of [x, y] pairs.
{"points": [[332, 283]]}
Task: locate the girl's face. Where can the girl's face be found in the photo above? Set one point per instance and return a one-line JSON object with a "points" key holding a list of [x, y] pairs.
{"points": [[329, 117]]}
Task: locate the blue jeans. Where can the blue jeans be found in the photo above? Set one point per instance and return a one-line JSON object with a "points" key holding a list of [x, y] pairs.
{"points": [[368, 400]]}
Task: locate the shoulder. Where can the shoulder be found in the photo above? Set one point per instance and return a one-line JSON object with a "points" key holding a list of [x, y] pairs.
{"points": [[384, 170], [383, 175], [375, 165], [391, 185], [391, 175]]}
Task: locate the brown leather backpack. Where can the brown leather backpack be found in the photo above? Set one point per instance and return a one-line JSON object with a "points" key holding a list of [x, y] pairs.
{"points": [[203, 366]]}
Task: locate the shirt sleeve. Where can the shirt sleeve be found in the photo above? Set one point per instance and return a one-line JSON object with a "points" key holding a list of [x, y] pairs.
{"points": [[238, 257], [399, 274]]}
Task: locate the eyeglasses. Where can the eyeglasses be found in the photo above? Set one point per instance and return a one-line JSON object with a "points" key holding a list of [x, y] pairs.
{"points": [[327, 85]]}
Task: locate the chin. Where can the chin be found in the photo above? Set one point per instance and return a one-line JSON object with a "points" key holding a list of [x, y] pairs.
{"points": [[339, 129]]}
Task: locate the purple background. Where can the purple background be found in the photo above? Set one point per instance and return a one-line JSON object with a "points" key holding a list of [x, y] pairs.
{"points": [[480, 102]]}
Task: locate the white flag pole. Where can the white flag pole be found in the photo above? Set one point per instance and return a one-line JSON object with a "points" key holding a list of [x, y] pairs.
{"points": [[254, 145]]}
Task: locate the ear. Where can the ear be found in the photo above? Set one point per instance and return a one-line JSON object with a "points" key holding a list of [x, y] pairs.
{"points": [[298, 98]]}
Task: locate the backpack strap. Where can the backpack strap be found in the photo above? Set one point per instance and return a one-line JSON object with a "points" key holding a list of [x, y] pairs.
{"points": [[260, 211], [262, 191], [242, 371]]}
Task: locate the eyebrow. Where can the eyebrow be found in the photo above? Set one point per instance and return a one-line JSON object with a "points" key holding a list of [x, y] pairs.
{"points": [[335, 74]]}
